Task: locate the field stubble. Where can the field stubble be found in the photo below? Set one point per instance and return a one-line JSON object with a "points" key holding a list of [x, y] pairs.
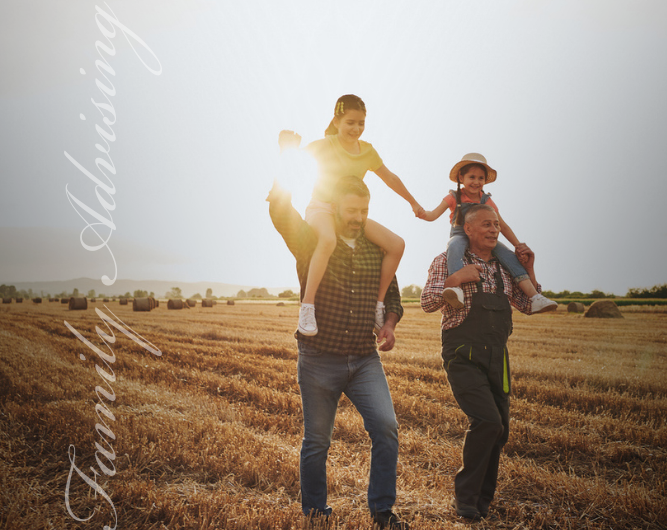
{"points": [[207, 436]]}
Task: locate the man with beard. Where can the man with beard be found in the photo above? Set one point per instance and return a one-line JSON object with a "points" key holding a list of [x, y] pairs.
{"points": [[343, 356]]}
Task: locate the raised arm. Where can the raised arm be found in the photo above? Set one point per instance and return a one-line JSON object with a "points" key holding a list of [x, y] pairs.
{"points": [[508, 233], [432, 215], [298, 236], [288, 140], [396, 184]]}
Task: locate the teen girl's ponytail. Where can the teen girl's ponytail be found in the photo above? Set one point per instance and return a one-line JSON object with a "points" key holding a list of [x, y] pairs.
{"points": [[345, 103]]}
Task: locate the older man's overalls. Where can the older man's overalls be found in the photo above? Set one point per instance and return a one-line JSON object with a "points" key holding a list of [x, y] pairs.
{"points": [[475, 358]]}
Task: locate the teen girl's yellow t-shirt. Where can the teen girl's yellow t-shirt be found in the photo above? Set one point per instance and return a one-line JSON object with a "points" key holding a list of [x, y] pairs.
{"points": [[334, 162]]}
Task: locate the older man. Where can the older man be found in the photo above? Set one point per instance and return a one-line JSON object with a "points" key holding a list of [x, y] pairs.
{"points": [[474, 352], [343, 356]]}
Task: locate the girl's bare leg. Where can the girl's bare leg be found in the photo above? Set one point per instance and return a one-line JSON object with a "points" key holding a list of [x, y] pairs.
{"points": [[393, 246], [528, 288], [323, 224]]}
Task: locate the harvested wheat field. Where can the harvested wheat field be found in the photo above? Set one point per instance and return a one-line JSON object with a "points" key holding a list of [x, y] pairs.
{"points": [[207, 435]]}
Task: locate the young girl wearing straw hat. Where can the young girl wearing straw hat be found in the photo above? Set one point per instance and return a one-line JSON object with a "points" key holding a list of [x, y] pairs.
{"points": [[470, 175], [339, 154]]}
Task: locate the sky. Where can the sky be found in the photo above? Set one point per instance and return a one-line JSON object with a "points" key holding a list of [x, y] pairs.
{"points": [[169, 146]]}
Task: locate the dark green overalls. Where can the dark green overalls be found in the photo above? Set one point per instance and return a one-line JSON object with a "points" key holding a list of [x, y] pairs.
{"points": [[477, 365]]}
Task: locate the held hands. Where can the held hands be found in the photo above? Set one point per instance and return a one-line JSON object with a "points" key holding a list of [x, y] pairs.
{"points": [[419, 211], [525, 255], [288, 140]]}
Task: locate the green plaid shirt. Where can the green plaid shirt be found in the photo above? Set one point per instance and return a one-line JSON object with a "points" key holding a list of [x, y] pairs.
{"points": [[347, 296]]}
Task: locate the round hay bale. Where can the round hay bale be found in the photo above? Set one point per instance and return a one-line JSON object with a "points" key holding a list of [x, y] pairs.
{"points": [[141, 304], [175, 304], [37, 300], [207, 302], [157, 303], [52, 300], [152, 301], [215, 302], [280, 304], [19, 300], [230, 302], [6, 300], [93, 300], [575, 307], [80, 302], [105, 300], [64, 300], [122, 301], [191, 302], [603, 309]]}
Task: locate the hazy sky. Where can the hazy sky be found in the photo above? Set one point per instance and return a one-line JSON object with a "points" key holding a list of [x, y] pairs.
{"points": [[566, 99]]}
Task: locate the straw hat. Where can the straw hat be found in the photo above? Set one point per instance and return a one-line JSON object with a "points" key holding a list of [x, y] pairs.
{"points": [[473, 158]]}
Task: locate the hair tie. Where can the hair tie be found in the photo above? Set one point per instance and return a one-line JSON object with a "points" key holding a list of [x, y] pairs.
{"points": [[340, 106]]}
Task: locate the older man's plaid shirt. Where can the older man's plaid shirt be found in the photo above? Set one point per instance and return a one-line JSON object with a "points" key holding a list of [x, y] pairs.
{"points": [[432, 300], [347, 296]]}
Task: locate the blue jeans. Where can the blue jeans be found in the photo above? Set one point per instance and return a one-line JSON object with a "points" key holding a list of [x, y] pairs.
{"points": [[456, 248], [322, 379]]}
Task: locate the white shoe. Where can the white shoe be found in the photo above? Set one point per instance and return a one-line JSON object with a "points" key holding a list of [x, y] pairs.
{"points": [[453, 296], [307, 322], [541, 304], [379, 316]]}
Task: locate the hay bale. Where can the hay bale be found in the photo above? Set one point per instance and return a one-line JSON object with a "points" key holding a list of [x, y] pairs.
{"points": [[280, 304], [64, 300], [575, 307], [6, 300], [207, 302], [174, 303], [122, 301], [152, 301], [93, 300], [141, 304], [52, 300], [105, 300], [19, 300], [230, 302], [37, 300], [215, 302], [80, 302], [157, 303], [603, 309], [191, 302]]}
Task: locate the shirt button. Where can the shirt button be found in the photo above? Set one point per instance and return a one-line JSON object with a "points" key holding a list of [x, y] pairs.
{"points": [[352, 291], [354, 272], [350, 311], [345, 331]]}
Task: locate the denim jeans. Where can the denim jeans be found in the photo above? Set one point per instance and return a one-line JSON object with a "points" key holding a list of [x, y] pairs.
{"points": [[322, 379], [456, 248]]}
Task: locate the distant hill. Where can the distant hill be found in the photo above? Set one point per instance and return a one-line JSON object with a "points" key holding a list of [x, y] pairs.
{"points": [[159, 287]]}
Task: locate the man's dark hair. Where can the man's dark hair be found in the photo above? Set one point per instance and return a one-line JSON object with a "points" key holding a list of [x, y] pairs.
{"points": [[474, 210], [350, 184]]}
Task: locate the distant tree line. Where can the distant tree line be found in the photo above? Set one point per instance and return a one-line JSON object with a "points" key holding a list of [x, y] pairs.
{"points": [[657, 291], [577, 294]]}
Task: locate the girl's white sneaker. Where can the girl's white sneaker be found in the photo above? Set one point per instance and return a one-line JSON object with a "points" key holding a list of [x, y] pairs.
{"points": [[541, 304], [453, 296], [307, 322]]}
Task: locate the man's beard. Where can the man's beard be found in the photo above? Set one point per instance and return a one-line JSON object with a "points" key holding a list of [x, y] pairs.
{"points": [[350, 229]]}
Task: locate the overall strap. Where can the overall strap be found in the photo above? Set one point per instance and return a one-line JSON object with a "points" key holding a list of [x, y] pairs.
{"points": [[500, 284]]}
